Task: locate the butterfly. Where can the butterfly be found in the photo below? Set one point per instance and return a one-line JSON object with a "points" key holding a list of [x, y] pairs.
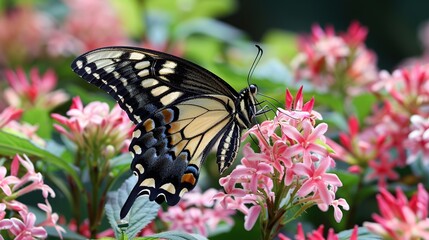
{"points": [[180, 110]]}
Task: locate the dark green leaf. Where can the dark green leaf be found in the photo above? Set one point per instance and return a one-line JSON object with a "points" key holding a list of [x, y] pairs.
{"points": [[142, 212], [10, 145], [363, 105], [40, 118], [176, 235], [363, 234]]}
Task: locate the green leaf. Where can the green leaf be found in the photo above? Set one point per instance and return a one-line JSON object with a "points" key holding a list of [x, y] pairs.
{"points": [[120, 164], [52, 232], [142, 212], [363, 234], [130, 13], [363, 105], [176, 235], [281, 43], [208, 27], [188, 9], [10, 145], [40, 118], [221, 228]]}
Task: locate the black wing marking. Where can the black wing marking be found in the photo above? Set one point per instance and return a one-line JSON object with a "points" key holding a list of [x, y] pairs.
{"points": [[143, 80]]}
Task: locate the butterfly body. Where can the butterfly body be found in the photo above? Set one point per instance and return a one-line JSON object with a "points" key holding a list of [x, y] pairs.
{"points": [[180, 110]]}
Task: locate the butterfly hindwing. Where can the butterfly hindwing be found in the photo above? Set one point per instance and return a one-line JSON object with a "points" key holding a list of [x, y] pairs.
{"points": [[170, 147], [180, 110]]}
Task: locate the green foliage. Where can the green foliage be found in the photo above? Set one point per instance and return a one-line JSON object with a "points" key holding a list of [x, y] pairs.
{"points": [[36, 116], [142, 212], [174, 235], [363, 234], [10, 145]]}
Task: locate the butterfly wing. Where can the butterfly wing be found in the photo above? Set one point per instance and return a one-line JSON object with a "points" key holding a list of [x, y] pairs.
{"points": [[143, 80], [180, 110]]}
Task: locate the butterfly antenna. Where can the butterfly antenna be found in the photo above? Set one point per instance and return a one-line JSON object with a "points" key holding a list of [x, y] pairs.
{"points": [[255, 63], [249, 75]]}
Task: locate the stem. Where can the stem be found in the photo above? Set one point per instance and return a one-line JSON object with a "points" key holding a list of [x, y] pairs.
{"points": [[273, 224], [76, 199], [354, 207], [93, 197]]}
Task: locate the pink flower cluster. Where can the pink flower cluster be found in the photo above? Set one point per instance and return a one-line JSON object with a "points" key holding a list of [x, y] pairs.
{"points": [[96, 128], [399, 218], [9, 114], [406, 108], [332, 61], [22, 34], [22, 223], [318, 234], [397, 133], [26, 33], [290, 168], [36, 92], [75, 34], [197, 213]]}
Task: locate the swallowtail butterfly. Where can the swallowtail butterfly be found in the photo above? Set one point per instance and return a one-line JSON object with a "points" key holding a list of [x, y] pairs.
{"points": [[180, 110]]}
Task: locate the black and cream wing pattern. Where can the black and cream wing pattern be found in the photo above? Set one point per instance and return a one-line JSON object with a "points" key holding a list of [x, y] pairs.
{"points": [[180, 110]]}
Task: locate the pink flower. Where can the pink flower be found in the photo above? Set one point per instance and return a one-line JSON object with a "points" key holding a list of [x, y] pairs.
{"points": [[318, 180], [318, 234], [36, 92], [51, 218], [31, 181], [367, 148], [23, 32], [418, 139], [85, 124], [84, 229], [400, 218], [76, 35], [356, 34], [5, 181], [408, 96], [196, 213], [9, 114], [383, 169], [2, 212], [338, 214], [409, 88], [24, 229], [305, 141], [336, 62]]}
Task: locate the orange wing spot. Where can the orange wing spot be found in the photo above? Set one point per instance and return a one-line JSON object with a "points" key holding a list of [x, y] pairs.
{"points": [[175, 139], [149, 125], [168, 115], [174, 127], [189, 178]]}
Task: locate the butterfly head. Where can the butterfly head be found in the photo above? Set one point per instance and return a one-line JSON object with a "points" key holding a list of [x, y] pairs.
{"points": [[246, 105], [253, 90]]}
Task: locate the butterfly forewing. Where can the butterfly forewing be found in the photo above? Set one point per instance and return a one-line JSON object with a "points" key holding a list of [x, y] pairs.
{"points": [[181, 110]]}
